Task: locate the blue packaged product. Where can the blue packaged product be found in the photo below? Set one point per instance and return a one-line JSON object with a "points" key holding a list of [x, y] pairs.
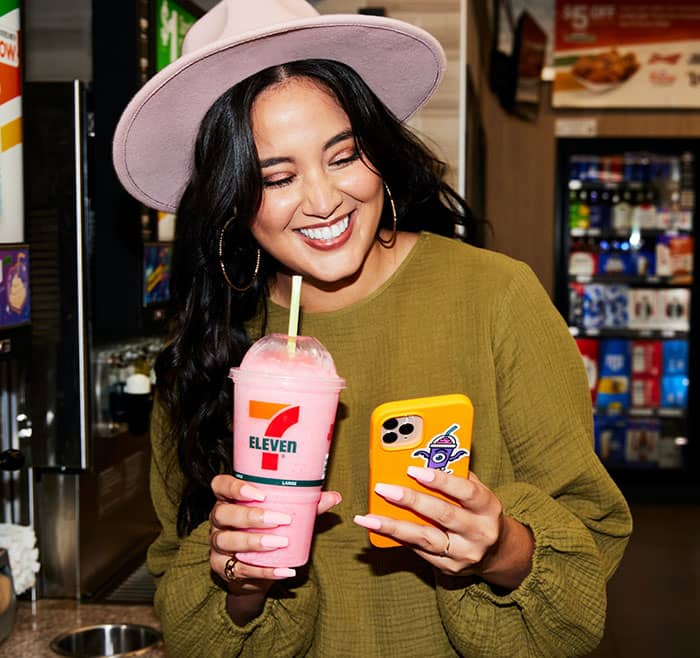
{"points": [[599, 210], [674, 391], [675, 357], [613, 393], [593, 306], [615, 357], [615, 374], [615, 262], [610, 438], [616, 307]]}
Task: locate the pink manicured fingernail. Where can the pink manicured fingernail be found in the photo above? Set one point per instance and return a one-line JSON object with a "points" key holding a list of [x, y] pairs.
{"points": [[422, 474], [274, 541], [338, 499], [283, 572], [367, 521], [276, 518], [251, 493], [390, 491]]}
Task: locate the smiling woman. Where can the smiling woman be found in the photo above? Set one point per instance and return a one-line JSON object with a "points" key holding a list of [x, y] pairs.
{"points": [[284, 151]]}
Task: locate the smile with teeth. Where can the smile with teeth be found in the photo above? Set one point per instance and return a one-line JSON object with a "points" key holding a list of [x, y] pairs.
{"points": [[328, 232]]}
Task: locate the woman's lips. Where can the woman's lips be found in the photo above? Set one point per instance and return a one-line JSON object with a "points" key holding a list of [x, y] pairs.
{"points": [[328, 236]]}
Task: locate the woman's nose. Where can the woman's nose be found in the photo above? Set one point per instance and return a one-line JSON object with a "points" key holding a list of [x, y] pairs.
{"points": [[321, 197]]}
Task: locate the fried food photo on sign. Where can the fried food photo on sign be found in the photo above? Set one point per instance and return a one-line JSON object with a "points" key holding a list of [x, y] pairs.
{"points": [[609, 68]]}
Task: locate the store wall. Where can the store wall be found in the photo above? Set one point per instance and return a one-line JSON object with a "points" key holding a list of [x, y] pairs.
{"points": [[438, 122]]}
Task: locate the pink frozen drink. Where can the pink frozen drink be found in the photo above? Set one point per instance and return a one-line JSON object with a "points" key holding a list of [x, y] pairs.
{"points": [[284, 407]]}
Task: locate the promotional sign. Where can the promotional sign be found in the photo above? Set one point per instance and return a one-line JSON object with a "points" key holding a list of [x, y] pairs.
{"points": [[172, 23], [14, 286], [156, 273], [11, 180], [627, 53]]}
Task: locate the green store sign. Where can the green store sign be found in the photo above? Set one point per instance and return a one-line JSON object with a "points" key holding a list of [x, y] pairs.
{"points": [[172, 23]]}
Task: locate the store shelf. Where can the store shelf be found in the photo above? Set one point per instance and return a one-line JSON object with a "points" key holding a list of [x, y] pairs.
{"points": [[643, 412], [626, 233], [616, 332], [576, 184], [635, 467], [615, 279]]}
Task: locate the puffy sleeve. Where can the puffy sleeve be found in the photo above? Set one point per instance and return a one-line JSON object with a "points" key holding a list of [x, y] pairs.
{"points": [[190, 605], [560, 490]]}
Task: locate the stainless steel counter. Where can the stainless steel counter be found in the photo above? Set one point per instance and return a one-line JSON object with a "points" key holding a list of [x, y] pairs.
{"points": [[39, 623]]}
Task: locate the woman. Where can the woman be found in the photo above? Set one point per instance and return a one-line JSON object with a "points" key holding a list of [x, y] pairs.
{"points": [[299, 168]]}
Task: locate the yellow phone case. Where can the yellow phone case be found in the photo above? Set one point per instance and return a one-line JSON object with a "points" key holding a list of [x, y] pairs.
{"points": [[432, 432]]}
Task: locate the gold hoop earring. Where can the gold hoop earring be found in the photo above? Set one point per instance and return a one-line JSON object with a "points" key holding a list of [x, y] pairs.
{"points": [[388, 244], [223, 267]]}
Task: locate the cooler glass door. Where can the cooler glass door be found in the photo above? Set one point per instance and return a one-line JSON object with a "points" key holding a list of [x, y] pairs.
{"points": [[625, 284]]}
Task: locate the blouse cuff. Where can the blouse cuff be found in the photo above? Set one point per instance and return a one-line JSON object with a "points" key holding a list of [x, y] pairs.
{"points": [[290, 608], [561, 601]]}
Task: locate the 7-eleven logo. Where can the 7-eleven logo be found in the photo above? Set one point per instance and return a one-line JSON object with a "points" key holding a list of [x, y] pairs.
{"points": [[271, 445]]}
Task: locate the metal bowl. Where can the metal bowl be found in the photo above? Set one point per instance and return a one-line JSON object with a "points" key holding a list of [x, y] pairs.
{"points": [[107, 640]]}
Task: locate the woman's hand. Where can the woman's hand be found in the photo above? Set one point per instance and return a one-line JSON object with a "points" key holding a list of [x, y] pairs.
{"points": [[230, 534], [472, 537]]}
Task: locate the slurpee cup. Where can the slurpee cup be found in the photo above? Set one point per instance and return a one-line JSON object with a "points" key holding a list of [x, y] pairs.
{"points": [[284, 406]]}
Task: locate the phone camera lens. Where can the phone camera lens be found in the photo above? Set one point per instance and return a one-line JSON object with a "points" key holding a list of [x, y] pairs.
{"points": [[390, 437], [406, 428], [390, 424]]}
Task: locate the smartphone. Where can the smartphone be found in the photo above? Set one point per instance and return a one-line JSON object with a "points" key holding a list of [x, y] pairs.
{"points": [[431, 432]]}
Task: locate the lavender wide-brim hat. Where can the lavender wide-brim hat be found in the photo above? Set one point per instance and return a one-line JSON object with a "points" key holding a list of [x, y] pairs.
{"points": [[154, 140]]}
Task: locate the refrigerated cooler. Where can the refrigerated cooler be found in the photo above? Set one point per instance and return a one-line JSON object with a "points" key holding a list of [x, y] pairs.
{"points": [[626, 247]]}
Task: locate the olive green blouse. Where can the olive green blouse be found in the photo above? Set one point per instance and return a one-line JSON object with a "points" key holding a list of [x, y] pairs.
{"points": [[452, 318]]}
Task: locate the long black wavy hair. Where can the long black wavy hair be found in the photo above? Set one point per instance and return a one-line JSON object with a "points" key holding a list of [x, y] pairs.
{"points": [[207, 332]]}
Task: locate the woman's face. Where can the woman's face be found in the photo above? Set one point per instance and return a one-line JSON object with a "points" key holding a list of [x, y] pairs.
{"points": [[321, 203]]}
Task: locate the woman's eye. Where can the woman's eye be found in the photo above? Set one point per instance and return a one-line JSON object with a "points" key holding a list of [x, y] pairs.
{"points": [[345, 159], [277, 182]]}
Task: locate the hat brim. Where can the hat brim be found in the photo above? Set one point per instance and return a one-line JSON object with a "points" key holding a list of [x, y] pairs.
{"points": [[154, 140]]}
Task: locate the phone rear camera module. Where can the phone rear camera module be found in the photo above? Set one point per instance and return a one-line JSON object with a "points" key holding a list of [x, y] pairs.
{"points": [[402, 432]]}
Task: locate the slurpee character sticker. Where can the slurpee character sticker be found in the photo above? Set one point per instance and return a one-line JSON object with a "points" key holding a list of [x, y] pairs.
{"points": [[431, 432], [442, 450]]}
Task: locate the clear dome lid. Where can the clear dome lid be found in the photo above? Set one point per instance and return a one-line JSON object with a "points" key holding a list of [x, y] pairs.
{"points": [[272, 355]]}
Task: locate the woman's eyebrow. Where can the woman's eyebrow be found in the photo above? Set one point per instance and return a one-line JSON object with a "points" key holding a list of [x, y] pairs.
{"points": [[342, 136], [271, 162]]}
